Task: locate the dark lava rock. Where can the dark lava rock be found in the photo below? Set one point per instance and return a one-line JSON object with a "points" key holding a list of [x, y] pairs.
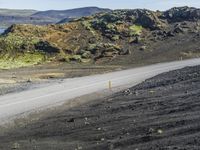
{"points": [[135, 40], [46, 47], [178, 14], [104, 50], [170, 33], [178, 30]]}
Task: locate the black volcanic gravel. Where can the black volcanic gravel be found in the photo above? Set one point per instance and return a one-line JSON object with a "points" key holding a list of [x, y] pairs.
{"points": [[162, 113]]}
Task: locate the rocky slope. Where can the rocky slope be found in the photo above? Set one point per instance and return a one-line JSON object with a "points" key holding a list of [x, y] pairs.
{"points": [[134, 35], [162, 113]]}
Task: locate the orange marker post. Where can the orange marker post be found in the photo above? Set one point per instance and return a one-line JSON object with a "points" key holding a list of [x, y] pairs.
{"points": [[110, 85]]}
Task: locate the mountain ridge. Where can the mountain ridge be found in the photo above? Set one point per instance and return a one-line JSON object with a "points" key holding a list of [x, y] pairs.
{"points": [[15, 16], [17, 12], [76, 12]]}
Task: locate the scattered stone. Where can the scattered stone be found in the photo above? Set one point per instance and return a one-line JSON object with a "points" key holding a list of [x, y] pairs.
{"points": [[178, 30], [152, 91], [143, 48], [16, 146], [80, 147], [128, 92], [29, 80], [151, 130], [14, 75], [86, 121], [170, 34], [71, 120], [135, 40], [160, 131], [131, 40], [136, 93], [111, 147], [127, 52], [99, 129], [86, 55]]}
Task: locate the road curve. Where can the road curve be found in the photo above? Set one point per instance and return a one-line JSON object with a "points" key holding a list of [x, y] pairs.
{"points": [[17, 103]]}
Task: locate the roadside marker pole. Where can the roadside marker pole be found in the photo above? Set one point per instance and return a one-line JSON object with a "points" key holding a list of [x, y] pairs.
{"points": [[110, 85]]}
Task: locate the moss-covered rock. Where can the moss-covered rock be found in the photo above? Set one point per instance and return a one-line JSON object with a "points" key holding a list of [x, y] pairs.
{"points": [[91, 38], [86, 55], [104, 50]]}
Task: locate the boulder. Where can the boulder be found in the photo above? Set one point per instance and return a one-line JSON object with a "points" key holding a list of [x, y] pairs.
{"points": [[143, 48], [170, 34], [178, 29], [147, 19], [46, 47], [104, 50]]}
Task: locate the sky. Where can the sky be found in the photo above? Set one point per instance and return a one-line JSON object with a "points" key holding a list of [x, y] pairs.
{"points": [[113, 4]]}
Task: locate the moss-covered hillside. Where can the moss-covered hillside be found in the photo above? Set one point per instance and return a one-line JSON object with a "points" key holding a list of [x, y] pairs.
{"points": [[105, 36]]}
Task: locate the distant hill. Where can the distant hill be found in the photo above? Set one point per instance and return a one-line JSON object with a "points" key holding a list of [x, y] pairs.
{"points": [[9, 16], [65, 20], [14, 16], [17, 12], [72, 13], [6, 21]]}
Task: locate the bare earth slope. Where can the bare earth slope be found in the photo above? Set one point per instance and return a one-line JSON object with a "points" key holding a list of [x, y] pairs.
{"points": [[162, 113]]}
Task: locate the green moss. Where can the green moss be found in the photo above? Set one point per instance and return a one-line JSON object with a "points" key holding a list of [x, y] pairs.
{"points": [[135, 30], [115, 37], [13, 44], [110, 26], [88, 26], [22, 60]]}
